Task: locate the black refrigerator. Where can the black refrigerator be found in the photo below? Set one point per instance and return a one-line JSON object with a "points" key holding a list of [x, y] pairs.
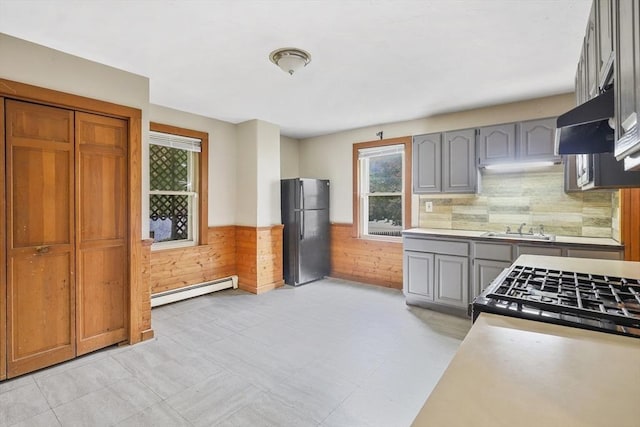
{"points": [[305, 215]]}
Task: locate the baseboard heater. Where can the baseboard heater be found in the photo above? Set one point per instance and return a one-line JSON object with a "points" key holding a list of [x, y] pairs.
{"points": [[191, 291]]}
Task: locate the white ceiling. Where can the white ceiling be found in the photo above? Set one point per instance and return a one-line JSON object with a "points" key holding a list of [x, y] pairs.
{"points": [[373, 61]]}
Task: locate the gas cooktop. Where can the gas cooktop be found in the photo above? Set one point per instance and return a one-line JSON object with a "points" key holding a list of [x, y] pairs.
{"points": [[597, 302]]}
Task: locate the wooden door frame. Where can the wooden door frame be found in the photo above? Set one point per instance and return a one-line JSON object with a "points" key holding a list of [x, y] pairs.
{"points": [[3, 251], [133, 116]]}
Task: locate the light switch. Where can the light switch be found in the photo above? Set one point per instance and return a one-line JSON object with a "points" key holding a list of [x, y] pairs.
{"points": [[428, 206]]}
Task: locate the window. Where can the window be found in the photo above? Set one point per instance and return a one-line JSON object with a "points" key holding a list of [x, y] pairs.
{"points": [[175, 177], [382, 171]]}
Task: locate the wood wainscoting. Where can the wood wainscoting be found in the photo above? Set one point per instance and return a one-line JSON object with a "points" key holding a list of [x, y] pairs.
{"points": [[259, 258], [630, 223], [176, 268], [365, 260], [145, 294]]}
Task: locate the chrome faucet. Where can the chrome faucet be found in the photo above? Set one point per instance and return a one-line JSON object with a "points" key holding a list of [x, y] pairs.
{"points": [[541, 230], [520, 228]]}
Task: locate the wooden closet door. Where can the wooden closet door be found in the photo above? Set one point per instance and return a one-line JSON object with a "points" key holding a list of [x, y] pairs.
{"points": [[40, 243], [3, 259], [101, 231]]}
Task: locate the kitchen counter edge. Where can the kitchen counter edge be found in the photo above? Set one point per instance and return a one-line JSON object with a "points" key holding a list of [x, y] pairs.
{"points": [[477, 235]]}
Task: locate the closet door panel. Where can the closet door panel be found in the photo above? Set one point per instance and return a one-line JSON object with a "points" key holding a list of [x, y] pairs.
{"points": [[101, 232], [40, 241], [3, 257]]}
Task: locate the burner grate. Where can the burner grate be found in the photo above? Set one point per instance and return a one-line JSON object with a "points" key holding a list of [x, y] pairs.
{"points": [[613, 298]]}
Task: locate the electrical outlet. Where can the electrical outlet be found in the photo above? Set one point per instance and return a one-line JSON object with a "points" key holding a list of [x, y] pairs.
{"points": [[428, 206]]}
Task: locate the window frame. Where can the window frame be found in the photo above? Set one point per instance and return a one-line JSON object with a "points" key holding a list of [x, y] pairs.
{"points": [[202, 175], [356, 230]]}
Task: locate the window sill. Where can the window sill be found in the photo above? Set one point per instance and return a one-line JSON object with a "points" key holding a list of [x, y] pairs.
{"points": [[160, 246], [390, 239]]}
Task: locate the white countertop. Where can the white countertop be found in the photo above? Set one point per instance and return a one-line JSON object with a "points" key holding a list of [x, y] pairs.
{"points": [[440, 232], [515, 372]]}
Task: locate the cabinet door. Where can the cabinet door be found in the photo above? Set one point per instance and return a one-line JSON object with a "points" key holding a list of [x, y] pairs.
{"points": [[418, 274], [570, 173], [101, 234], [626, 82], [537, 140], [497, 144], [459, 172], [596, 254], [427, 161], [581, 78], [484, 271], [451, 280], [591, 46], [40, 246], [604, 30], [538, 250]]}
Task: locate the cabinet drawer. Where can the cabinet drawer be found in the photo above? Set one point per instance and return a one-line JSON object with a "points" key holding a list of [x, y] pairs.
{"points": [[493, 251], [437, 246], [600, 254], [539, 250]]}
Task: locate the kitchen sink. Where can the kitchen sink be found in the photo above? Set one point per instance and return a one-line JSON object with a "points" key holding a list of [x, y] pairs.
{"points": [[523, 236]]}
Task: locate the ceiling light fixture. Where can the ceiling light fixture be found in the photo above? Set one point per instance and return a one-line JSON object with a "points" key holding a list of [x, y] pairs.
{"points": [[290, 59]]}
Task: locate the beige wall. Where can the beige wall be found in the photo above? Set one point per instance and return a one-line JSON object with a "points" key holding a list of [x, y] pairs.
{"points": [[222, 155], [258, 174], [37, 65], [329, 156], [289, 157], [268, 182]]}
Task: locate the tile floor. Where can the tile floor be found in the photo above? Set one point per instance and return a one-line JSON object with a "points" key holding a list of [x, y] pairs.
{"points": [[330, 353]]}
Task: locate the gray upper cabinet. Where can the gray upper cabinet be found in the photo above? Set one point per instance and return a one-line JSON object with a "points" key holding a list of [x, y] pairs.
{"points": [[532, 140], [627, 81], [537, 140], [497, 144], [426, 163], [444, 162], [592, 53], [459, 173], [604, 12]]}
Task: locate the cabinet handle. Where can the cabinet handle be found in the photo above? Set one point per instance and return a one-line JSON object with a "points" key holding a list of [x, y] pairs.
{"points": [[630, 122], [42, 249]]}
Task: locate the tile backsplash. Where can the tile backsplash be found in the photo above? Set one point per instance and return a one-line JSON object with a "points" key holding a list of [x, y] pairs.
{"points": [[535, 197]]}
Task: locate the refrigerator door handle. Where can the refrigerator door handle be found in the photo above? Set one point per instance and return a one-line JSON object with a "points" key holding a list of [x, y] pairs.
{"points": [[301, 194], [302, 225]]}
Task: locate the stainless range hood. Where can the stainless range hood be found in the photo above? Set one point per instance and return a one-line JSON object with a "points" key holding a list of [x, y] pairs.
{"points": [[585, 129]]}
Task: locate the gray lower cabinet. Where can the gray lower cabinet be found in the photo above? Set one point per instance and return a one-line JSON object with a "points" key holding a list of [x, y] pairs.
{"points": [[484, 271], [418, 274], [452, 280], [538, 250], [436, 273], [448, 273], [489, 259], [596, 254]]}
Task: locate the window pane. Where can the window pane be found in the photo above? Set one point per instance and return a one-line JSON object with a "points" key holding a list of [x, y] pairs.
{"points": [[385, 215], [385, 174], [169, 168], [169, 217]]}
